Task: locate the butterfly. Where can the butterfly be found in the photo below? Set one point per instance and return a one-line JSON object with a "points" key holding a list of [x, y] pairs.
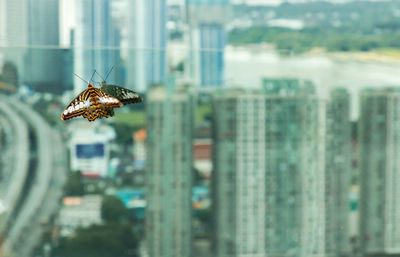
{"points": [[92, 103], [126, 96]]}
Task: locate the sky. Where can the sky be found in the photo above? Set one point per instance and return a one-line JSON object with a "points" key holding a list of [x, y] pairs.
{"points": [[67, 21], [264, 2], [67, 13]]}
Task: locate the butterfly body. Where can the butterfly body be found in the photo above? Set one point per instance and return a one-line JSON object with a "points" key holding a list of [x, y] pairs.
{"points": [[91, 104]]}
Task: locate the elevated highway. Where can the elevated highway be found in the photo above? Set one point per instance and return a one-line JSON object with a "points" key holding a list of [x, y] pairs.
{"points": [[14, 159], [42, 188]]}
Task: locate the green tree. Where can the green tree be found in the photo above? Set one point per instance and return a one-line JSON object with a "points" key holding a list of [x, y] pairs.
{"points": [[124, 132], [113, 209], [106, 240], [204, 216], [10, 73], [74, 185], [197, 178]]}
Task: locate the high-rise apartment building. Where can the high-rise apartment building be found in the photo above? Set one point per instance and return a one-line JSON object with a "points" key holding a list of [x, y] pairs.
{"points": [[147, 42], [337, 173], [43, 62], [14, 30], [269, 161], [30, 31], [169, 168], [207, 38], [379, 140], [27, 27], [3, 23], [94, 40]]}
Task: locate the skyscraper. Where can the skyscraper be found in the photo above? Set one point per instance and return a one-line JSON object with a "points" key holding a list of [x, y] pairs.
{"points": [[337, 173], [95, 42], [169, 169], [30, 29], [207, 38], [15, 26], [3, 19], [147, 39], [269, 171], [43, 66], [379, 130], [14, 32]]}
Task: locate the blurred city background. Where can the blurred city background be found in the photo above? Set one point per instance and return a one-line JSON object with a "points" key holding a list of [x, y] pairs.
{"points": [[269, 128]]}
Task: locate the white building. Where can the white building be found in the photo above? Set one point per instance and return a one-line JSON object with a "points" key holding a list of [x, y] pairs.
{"points": [[139, 148], [77, 212], [90, 147]]}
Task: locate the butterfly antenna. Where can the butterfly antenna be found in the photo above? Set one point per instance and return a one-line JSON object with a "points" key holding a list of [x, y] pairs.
{"points": [[81, 78], [109, 72], [99, 75], [91, 78]]}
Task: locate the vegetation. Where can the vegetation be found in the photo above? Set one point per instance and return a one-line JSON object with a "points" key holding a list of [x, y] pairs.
{"points": [[132, 118], [10, 74], [128, 122], [116, 237], [100, 241], [306, 39], [113, 209], [354, 26], [203, 112], [74, 185]]}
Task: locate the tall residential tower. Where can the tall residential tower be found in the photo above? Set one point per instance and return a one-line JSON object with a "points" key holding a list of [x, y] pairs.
{"points": [[169, 168], [379, 139], [207, 37], [269, 171], [337, 173]]}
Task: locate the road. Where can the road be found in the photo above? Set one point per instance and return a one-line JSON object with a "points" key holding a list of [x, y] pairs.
{"points": [[43, 198], [14, 157]]}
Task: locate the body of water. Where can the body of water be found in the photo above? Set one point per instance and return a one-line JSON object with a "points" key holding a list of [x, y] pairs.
{"points": [[246, 68]]}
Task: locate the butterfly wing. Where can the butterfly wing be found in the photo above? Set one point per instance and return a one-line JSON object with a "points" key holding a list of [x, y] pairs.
{"points": [[91, 104], [126, 96], [110, 112], [102, 105], [105, 99], [77, 106]]}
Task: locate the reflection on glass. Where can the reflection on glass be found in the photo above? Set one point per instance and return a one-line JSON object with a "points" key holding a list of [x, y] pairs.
{"points": [[267, 128]]}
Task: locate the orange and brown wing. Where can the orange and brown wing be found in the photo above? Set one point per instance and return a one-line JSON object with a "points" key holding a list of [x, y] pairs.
{"points": [[91, 104], [77, 106]]}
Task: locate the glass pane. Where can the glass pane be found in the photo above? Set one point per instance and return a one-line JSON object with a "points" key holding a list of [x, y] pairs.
{"points": [[199, 128]]}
